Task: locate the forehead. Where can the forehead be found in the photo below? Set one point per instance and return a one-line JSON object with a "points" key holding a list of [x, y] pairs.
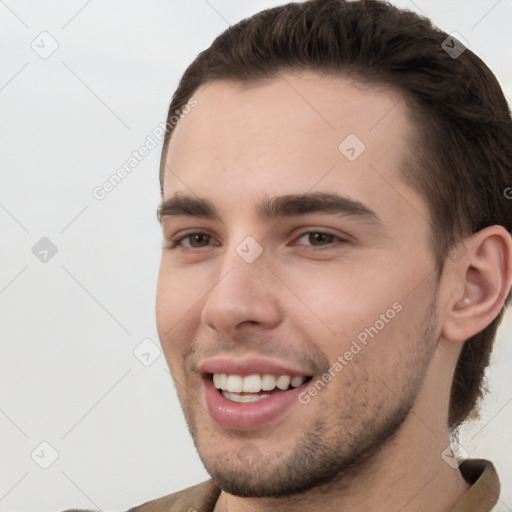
{"points": [[291, 133]]}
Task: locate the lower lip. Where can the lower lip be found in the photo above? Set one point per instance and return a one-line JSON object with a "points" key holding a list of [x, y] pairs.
{"points": [[235, 415]]}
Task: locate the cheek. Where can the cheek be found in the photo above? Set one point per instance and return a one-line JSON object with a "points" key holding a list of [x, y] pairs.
{"points": [[339, 293], [354, 300], [178, 289], [176, 294]]}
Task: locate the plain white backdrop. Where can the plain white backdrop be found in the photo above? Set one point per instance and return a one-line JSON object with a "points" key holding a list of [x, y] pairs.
{"points": [[89, 417]]}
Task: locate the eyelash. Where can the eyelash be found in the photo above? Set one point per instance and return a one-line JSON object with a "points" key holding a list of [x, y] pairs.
{"points": [[175, 242]]}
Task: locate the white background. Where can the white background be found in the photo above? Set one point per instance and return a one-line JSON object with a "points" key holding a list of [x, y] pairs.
{"points": [[69, 326]]}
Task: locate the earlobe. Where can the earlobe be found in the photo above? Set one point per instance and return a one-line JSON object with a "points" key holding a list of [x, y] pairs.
{"points": [[483, 278]]}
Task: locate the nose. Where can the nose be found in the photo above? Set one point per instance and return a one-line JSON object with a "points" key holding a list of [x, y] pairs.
{"points": [[244, 296]]}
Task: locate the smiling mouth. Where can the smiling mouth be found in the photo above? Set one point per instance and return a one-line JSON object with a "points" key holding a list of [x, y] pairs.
{"points": [[252, 388]]}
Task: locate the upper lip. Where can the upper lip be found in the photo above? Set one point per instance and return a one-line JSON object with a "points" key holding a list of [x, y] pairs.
{"points": [[249, 366]]}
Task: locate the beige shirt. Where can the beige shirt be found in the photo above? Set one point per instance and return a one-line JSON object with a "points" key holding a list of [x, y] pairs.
{"points": [[481, 497]]}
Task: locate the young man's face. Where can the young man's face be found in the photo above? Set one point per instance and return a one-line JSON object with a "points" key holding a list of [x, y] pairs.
{"points": [[339, 289]]}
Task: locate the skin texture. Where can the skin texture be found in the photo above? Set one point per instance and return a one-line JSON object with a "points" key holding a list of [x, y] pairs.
{"points": [[373, 437]]}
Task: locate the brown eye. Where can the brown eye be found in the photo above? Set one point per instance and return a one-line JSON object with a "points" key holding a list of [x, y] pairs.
{"points": [[318, 238], [197, 239]]}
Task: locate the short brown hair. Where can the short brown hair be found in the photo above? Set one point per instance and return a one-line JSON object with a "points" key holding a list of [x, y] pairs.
{"points": [[464, 160]]}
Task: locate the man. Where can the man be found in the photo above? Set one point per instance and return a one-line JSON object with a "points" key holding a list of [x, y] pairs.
{"points": [[337, 258]]}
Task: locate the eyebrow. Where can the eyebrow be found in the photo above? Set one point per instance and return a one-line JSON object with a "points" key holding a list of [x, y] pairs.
{"points": [[270, 208]]}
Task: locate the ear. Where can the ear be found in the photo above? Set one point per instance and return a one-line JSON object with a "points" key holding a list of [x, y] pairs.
{"points": [[478, 283]]}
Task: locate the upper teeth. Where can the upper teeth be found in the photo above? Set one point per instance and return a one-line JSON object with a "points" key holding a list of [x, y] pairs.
{"points": [[254, 383]]}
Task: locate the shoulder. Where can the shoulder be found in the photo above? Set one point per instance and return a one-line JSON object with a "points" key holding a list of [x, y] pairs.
{"points": [[484, 492], [198, 498]]}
